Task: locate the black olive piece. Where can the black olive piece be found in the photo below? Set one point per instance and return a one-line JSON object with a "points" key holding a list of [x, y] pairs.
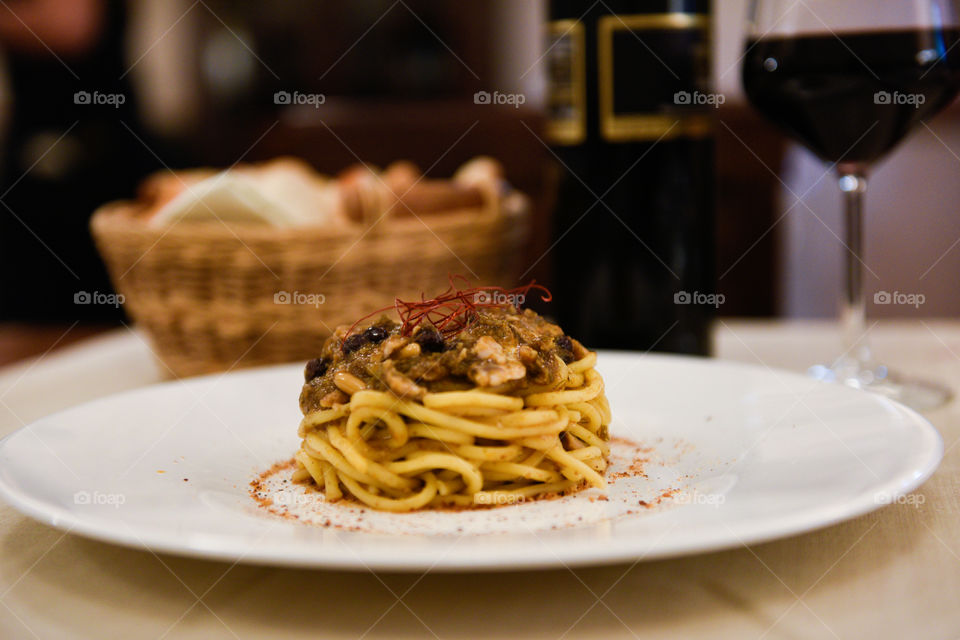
{"points": [[376, 335], [429, 339], [354, 342], [315, 368], [565, 345]]}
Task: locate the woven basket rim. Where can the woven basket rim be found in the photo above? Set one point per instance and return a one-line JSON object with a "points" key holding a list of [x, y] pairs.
{"points": [[127, 215]]}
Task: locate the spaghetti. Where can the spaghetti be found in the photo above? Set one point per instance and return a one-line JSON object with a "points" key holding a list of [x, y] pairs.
{"points": [[508, 409]]}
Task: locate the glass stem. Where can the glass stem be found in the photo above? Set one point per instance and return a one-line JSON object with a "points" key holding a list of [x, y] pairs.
{"points": [[853, 184]]}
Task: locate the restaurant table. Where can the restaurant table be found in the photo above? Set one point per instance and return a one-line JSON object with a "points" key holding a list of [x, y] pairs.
{"points": [[893, 573]]}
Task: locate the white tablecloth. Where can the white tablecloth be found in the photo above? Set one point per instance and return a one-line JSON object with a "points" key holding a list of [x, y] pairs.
{"points": [[890, 574]]}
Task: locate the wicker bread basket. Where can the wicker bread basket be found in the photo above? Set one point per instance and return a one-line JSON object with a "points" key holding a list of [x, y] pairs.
{"points": [[213, 296]]}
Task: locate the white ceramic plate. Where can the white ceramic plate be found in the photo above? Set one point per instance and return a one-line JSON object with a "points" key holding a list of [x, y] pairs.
{"points": [[734, 454]]}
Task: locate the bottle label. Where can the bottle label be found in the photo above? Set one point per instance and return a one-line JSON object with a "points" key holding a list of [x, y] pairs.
{"points": [[567, 97], [652, 72]]}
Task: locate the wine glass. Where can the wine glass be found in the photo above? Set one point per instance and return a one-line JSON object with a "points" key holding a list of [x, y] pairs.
{"points": [[849, 80]]}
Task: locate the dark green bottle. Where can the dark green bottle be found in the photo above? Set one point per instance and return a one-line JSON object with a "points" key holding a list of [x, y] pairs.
{"points": [[630, 119]]}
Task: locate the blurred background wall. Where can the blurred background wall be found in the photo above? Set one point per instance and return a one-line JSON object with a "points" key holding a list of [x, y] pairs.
{"points": [[399, 79]]}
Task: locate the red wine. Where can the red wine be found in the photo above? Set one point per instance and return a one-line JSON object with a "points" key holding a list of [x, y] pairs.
{"points": [[852, 98]]}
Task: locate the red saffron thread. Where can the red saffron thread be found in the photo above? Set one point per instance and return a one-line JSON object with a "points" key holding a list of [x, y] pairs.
{"points": [[453, 310]]}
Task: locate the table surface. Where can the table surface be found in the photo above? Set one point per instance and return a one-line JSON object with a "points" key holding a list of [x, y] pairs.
{"points": [[891, 573]]}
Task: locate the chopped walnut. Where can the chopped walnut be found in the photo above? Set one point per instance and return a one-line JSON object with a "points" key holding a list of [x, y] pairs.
{"points": [[492, 374], [489, 349], [399, 383], [494, 367], [527, 355], [333, 398], [392, 344]]}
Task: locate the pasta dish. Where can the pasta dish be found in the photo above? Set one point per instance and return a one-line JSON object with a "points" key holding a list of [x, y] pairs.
{"points": [[466, 401]]}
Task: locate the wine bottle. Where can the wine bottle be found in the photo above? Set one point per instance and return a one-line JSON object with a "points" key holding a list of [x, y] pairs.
{"points": [[630, 123]]}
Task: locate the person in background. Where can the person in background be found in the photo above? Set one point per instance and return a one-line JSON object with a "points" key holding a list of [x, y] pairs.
{"points": [[74, 141]]}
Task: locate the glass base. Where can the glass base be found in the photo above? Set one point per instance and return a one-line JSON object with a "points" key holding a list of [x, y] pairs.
{"points": [[920, 395]]}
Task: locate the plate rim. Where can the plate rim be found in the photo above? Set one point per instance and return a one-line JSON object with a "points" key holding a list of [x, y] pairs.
{"points": [[96, 528]]}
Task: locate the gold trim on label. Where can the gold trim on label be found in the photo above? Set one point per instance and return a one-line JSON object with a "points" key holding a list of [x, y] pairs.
{"points": [[572, 130], [643, 126]]}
